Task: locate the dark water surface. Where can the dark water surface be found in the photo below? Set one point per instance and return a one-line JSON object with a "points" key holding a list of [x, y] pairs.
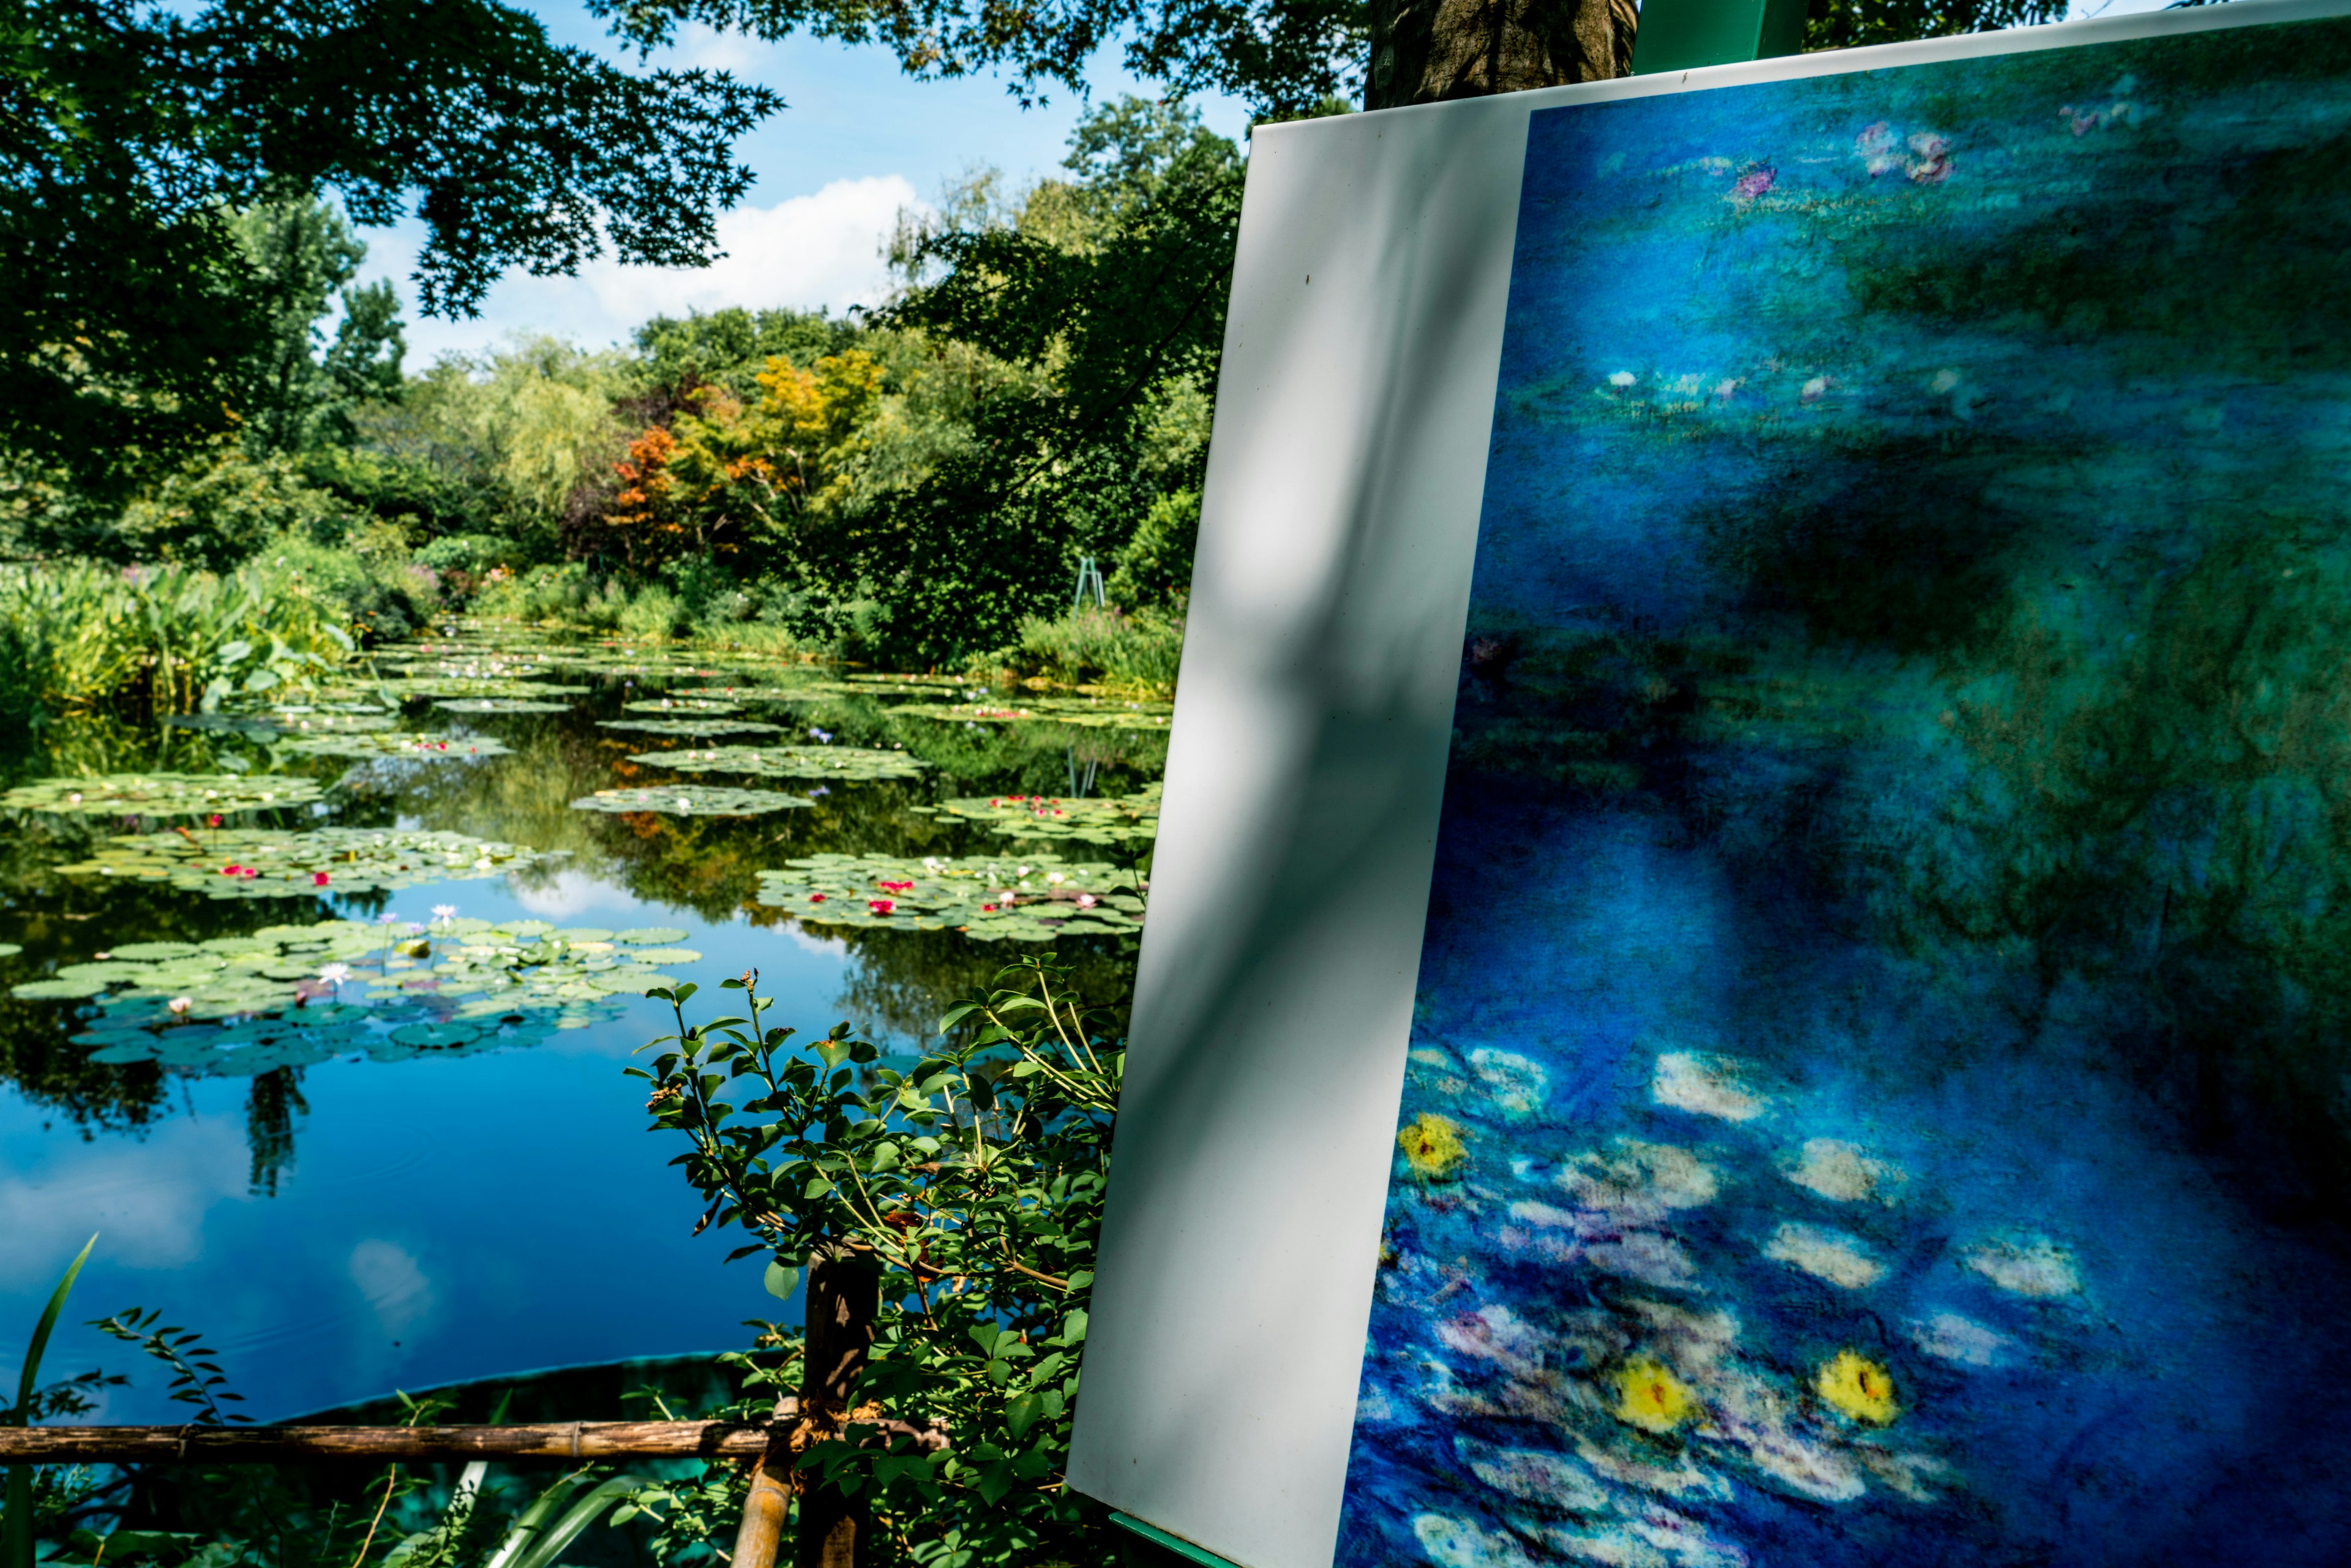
{"points": [[347, 1225]]}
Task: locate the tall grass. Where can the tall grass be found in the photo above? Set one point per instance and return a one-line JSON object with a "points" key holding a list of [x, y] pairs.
{"points": [[1136, 651], [170, 639]]}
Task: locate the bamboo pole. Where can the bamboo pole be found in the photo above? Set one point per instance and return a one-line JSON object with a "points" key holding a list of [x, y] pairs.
{"points": [[271, 1445]]}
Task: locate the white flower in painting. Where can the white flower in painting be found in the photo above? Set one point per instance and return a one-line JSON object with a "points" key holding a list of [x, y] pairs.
{"points": [[2032, 1266], [1825, 1255], [1814, 390], [1622, 379], [335, 974]]}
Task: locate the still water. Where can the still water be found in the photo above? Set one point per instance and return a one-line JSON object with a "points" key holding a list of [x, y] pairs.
{"points": [[356, 1218]]}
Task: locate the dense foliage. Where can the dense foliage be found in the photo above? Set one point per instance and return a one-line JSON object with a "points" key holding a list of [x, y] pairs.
{"points": [[134, 319], [963, 1191], [919, 482]]}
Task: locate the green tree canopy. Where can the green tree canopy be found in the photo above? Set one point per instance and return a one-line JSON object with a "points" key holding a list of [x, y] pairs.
{"points": [[131, 131]]}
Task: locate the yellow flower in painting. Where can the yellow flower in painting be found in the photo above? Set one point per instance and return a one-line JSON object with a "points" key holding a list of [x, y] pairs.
{"points": [[1432, 1146], [1648, 1396], [1858, 1388]]}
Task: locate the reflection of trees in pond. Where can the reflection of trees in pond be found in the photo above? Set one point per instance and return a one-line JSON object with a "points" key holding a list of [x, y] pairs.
{"points": [[899, 982], [271, 1104], [39, 1063]]}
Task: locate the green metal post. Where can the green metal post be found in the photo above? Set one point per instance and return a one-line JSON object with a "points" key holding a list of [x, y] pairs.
{"points": [[1682, 35], [1152, 1547]]}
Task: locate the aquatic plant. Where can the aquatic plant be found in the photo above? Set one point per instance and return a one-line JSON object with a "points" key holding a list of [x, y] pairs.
{"points": [[697, 727], [161, 794], [258, 862], [168, 637], [414, 746], [289, 996], [499, 705], [1086, 713], [691, 801], [680, 705], [988, 899], [410, 688], [946, 1207], [1432, 1145], [1112, 819], [848, 763]]}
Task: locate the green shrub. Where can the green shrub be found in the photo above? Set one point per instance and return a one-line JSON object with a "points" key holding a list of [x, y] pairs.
{"points": [[1138, 650]]}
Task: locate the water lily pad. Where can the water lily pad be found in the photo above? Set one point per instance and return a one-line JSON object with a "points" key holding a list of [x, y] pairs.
{"points": [[694, 726], [651, 935], [681, 706], [411, 688], [161, 794], [254, 863], [289, 994], [987, 898], [436, 1034], [499, 705], [691, 801], [427, 746], [666, 956], [850, 764], [1086, 713], [10, 949], [1120, 818]]}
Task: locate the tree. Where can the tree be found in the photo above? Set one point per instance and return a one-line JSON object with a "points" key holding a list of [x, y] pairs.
{"points": [[1284, 56], [303, 257], [132, 131]]}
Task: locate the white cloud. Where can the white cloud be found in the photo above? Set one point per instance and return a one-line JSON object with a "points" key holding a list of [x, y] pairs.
{"points": [[823, 249], [148, 1200], [573, 892], [394, 1284]]}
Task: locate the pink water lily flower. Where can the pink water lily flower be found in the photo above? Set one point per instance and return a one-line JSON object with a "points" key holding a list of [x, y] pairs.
{"points": [[881, 905]]}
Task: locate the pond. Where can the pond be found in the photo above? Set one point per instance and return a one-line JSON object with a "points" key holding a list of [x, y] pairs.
{"points": [[320, 1011]]}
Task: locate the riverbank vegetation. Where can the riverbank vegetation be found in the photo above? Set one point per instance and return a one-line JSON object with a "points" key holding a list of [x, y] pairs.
{"points": [[926, 484]]}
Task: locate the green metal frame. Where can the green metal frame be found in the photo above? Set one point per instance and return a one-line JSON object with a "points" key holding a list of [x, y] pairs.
{"points": [[1683, 35], [1163, 1547]]}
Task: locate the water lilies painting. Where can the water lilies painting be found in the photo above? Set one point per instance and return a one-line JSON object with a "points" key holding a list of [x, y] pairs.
{"points": [[1876, 1095]]}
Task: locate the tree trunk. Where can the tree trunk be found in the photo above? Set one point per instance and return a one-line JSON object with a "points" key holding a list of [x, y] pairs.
{"points": [[1426, 51], [844, 1293]]}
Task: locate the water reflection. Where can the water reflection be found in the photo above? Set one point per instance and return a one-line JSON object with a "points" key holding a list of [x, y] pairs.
{"points": [[343, 1226]]}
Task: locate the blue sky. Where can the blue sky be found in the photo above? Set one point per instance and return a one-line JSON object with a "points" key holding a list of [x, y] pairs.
{"points": [[858, 142]]}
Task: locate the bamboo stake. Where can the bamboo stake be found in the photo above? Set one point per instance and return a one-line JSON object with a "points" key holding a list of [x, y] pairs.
{"points": [[270, 1445]]}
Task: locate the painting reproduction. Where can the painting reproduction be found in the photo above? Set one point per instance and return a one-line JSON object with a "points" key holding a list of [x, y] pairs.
{"points": [[1880, 1080]]}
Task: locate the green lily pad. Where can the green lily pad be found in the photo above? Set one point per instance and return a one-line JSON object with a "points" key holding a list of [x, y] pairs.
{"points": [[10, 949], [411, 688], [794, 692], [691, 801], [987, 898], [56, 990], [254, 863], [290, 995], [850, 764], [1086, 713], [428, 746], [694, 726], [680, 705], [161, 794], [1120, 818], [651, 935], [436, 1035], [499, 705]]}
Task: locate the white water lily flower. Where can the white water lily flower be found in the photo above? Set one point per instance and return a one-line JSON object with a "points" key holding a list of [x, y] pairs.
{"points": [[335, 974], [180, 1005], [684, 804], [445, 912]]}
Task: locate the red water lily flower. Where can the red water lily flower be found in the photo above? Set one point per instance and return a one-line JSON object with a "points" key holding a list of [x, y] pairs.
{"points": [[318, 879], [988, 909], [232, 870], [816, 898], [896, 886], [881, 905], [213, 821]]}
